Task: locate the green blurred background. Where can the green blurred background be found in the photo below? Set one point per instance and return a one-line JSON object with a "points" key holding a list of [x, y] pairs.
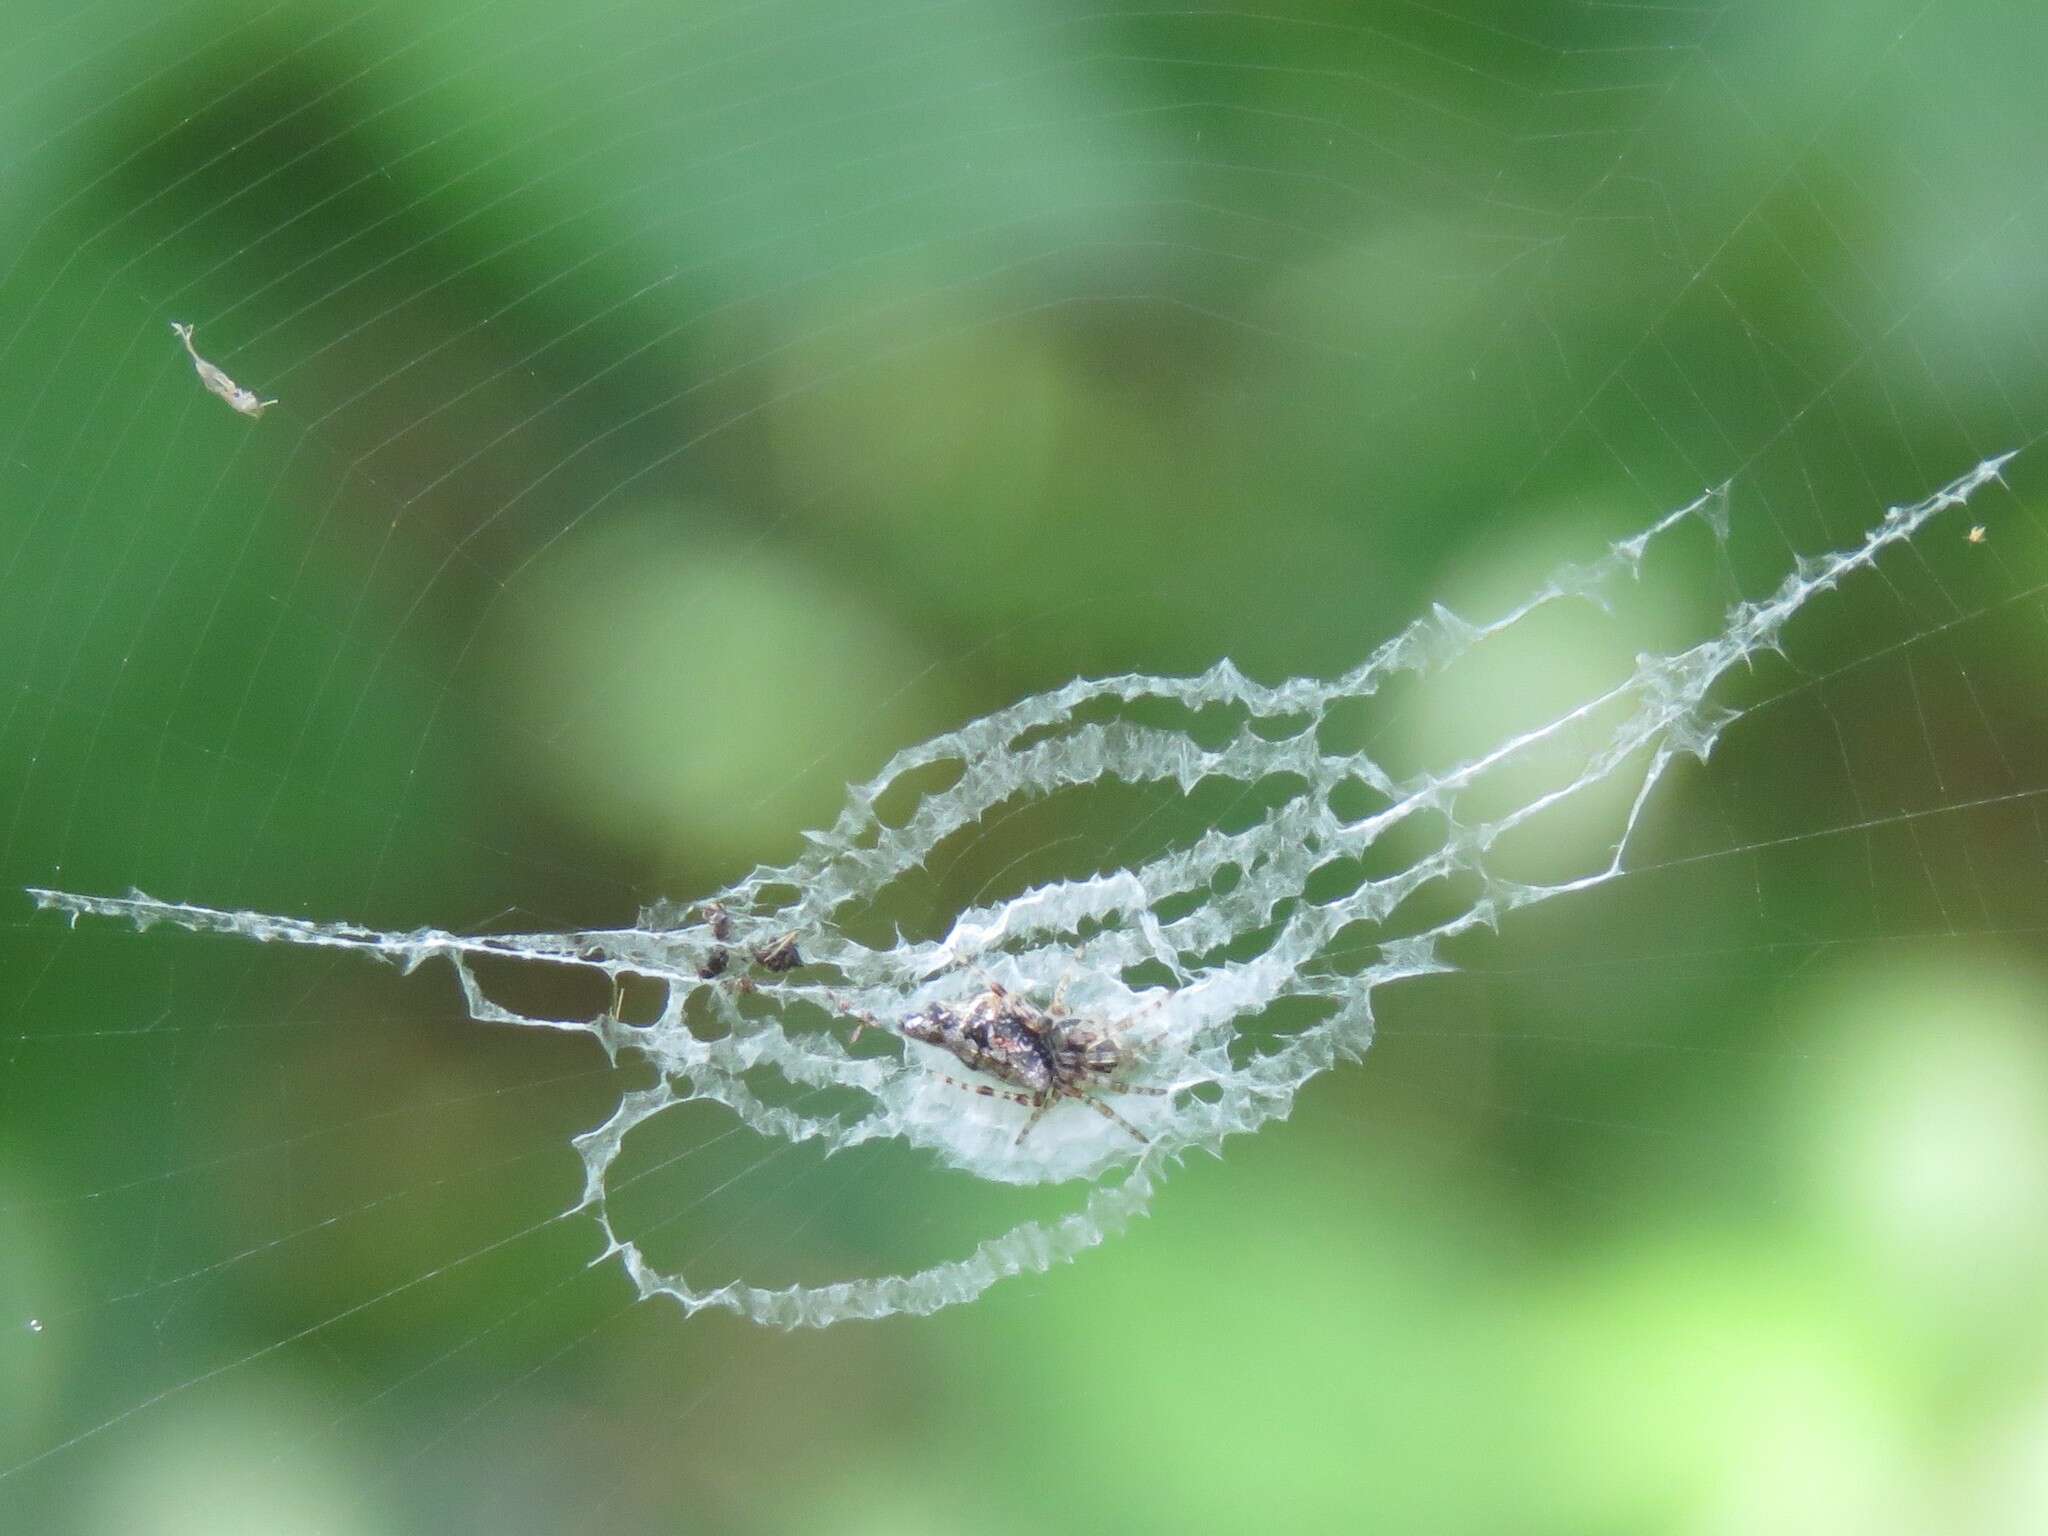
{"points": [[686, 406]]}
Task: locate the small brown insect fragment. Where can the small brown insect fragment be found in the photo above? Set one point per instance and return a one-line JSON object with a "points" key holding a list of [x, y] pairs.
{"points": [[714, 963], [719, 921], [779, 956]]}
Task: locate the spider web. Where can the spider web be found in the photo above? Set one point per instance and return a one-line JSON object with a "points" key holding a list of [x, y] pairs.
{"points": [[687, 413]]}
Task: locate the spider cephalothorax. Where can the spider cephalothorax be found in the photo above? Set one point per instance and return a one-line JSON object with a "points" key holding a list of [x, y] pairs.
{"points": [[1043, 1053]]}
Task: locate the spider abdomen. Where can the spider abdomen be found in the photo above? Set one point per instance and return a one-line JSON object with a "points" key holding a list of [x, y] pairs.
{"points": [[991, 1040]]}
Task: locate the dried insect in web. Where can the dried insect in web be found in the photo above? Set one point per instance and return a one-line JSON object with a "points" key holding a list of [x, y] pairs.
{"points": [[217, 382], [719, 921], [1046, 1054], [777, 957]]}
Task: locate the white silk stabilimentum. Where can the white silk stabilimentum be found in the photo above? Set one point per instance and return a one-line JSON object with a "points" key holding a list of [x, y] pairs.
{"points": [[1228, 915]]}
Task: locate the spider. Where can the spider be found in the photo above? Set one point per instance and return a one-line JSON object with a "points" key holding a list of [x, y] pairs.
{"points": [[1045, 1052]]}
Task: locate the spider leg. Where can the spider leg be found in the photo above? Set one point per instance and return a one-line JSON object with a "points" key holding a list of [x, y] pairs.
{"points": [[975, 966], [1044, 1102], [1121, 1027], [996, 1093], [1146, 1046], [1111, 1115], [863, 1020]]}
